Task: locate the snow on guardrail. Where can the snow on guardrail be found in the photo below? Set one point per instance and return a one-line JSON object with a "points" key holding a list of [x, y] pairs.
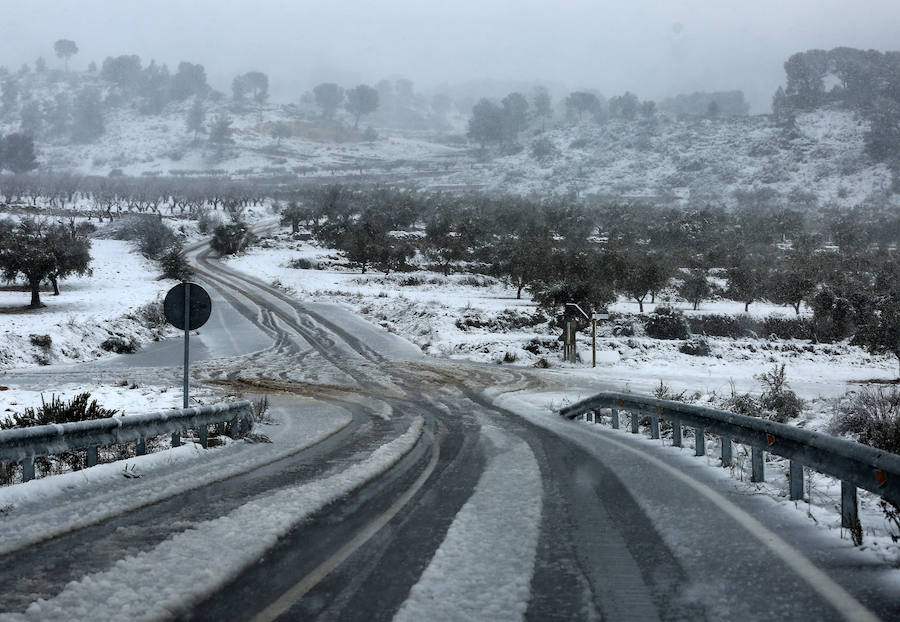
{"points": [[23, 444]]}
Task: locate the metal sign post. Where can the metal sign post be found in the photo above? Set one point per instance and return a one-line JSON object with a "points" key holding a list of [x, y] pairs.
{"points": [[187, 343], [594, 318], [187, 306]]}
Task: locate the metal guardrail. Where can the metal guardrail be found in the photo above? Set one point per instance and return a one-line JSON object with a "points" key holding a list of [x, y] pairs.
{"points": [[24, 444], [854, 464]]}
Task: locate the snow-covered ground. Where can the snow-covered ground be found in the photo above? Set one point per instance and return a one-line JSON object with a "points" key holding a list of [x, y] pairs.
{"points": [[478, 318], [89, 310]]}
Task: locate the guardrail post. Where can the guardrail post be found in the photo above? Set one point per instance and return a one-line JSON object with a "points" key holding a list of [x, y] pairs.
{"points": [[654, 426], [176, 439], [615, 418], [699, 442], [726, 451], [220, 428], [757, 465], [235, 430], [140, 446], [849, 508], [795, 474], [28, 468], [634, 421], [201, 432], [93, 456], [676, 433]]}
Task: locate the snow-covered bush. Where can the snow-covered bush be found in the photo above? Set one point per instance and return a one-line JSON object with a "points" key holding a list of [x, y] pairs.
{"points": [[724, 325], [698, 346], [873, 415], [666, 323], [777, 398], [79, 408], [120, 345]]}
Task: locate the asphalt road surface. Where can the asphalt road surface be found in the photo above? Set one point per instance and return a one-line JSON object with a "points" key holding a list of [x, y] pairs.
{"points": [[486, 514]]}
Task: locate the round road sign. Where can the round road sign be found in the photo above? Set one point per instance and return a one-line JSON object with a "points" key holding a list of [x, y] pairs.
{"points": [[200, 306]]}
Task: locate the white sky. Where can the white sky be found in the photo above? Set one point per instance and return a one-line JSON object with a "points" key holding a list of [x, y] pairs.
{"points": [[655, 48]]}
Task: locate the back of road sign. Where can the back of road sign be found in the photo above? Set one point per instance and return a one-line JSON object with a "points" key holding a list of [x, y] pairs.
{"points": [[200, 306]]}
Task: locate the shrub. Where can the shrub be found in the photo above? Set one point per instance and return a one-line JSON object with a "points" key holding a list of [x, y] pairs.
{"points": [[743, 404], [787, 328], [730, 326], [232, 239], [147, 231], [174, 264], [41, 341], [151, 314], [543, 149], [79, 408], [301, 263], [207, 222], [777, 398], [873, 414], [120, 345], [666, 323], [698, 346]]}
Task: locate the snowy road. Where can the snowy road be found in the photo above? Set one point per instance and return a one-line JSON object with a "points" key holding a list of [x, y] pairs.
{"points": [[431, 490]]}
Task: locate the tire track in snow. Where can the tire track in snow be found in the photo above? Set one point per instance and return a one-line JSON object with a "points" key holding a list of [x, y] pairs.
{"points": [[482, 570]]}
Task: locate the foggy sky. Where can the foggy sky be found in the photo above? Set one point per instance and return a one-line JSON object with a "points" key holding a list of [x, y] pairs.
{"points": [[654, 48]]}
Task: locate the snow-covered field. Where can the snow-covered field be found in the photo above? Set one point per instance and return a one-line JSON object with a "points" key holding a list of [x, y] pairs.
{"points": [[479, 318], [89, 310]]}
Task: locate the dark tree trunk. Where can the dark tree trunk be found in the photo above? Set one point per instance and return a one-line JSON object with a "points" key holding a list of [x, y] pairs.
{"points": [[55, 281], [747, 306], [797, 307], [35, 294]]}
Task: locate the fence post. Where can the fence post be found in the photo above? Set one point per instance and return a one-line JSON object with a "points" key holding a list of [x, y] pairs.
{"points": [[176, 439], [93, 456], [634, 421], [699, 442], [796, 475], [849, 509], [615, 418], [28, 468], [726, 451], [676, 433], [757, 465], [654, 426], [140, 446]]}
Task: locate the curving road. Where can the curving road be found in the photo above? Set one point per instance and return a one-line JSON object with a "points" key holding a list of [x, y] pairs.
{"points": [[445, 494]]}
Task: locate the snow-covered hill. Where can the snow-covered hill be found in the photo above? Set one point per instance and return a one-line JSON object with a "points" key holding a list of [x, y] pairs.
{"points": [[819, 161]]}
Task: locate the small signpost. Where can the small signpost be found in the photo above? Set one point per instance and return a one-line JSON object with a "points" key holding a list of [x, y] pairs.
{"points": [[594, 318], [187, 306], [573, 314]]}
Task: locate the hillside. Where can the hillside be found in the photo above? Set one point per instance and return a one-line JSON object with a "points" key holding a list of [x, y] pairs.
{"points": [[735, 160]]}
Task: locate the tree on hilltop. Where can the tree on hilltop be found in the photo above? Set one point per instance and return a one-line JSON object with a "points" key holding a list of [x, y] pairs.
{"points": [[328, 96], [581, 102], [65, 49], [361, 100], [196, 117]]}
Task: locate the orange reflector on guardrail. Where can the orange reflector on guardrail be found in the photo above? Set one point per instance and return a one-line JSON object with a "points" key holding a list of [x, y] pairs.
{"points": [[880, 477], [770, 438]]}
